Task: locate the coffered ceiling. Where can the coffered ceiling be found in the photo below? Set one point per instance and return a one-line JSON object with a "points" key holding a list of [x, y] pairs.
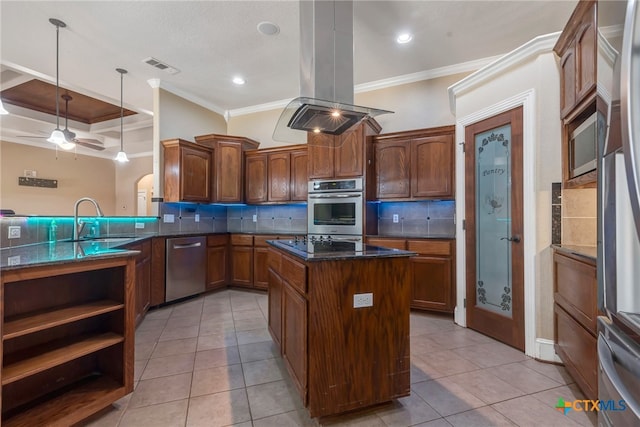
{"points": [[210, 42]]}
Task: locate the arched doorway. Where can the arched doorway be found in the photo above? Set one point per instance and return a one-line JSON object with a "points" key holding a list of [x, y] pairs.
{"points": [[144, 193]]}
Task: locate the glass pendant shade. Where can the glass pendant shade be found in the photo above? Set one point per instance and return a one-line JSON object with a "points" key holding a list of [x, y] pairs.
{"points": [[66, 145], [121, 157], [57, 137], [2, 110]]}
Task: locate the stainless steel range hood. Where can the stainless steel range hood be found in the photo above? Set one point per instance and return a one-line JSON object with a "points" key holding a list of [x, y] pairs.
{"points": [[325, 104]]}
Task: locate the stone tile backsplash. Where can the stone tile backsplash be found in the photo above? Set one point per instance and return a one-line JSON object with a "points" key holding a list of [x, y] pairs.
{"points": [[417, 219], [285, 219], [192, 217], [579, 217]]}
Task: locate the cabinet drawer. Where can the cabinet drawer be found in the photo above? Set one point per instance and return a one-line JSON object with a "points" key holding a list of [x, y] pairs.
{"points": [[241, 240], [576, 289], [388, 243], [274, 260], [430, 247], [217, 240], [262, 240], [578, 350], [294, 273]]}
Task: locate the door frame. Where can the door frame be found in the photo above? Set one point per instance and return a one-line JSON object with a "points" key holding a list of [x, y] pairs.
{"points": [[527, 101]]}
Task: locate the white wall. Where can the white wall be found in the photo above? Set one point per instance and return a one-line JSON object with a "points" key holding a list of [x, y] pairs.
{"points": [[127, 176], [415, 105], [540, 74]]}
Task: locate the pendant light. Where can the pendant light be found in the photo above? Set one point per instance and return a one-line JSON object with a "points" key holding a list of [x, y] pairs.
{"points": [[122, 156], [57, 136], [2, 109]]}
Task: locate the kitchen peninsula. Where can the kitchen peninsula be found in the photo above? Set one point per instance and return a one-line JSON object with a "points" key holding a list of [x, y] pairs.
{"points": [[339, 312]]}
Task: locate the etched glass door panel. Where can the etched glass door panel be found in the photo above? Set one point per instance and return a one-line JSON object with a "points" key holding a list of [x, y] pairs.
{"points": [[493, 220]]}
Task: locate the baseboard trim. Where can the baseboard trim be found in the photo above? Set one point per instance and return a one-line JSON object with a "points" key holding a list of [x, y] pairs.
{"points": [[545, 351]]}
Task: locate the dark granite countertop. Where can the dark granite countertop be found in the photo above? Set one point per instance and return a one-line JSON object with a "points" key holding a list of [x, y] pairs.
{"points": [[589, 252], [405, 237], [319, 251], [63, 252]]}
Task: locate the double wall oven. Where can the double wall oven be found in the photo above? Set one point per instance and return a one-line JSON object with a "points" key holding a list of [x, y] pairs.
{"points": [[335, 209]]}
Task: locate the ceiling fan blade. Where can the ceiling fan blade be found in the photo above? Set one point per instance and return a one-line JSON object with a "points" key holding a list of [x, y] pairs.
{"points": [[94, 144], [30, 136]]}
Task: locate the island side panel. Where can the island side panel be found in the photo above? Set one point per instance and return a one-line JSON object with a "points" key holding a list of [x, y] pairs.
{"points": [[358, 357]]}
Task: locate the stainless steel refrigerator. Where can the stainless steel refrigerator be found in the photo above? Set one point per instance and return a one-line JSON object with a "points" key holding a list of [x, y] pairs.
{"points": [[619, 213]]}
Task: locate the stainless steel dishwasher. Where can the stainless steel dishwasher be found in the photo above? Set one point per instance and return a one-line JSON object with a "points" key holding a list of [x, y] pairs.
{"points": [[186, 267]]}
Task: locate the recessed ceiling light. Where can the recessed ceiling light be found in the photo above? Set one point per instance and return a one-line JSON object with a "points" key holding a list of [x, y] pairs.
{"points": [[239, 81], [268, 28], [404, 38]]}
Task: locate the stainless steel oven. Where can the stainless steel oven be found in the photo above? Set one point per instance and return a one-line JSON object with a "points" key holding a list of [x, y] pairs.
{"points": [[335, 207]]}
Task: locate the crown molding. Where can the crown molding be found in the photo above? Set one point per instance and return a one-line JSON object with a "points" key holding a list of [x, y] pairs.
{"points": [[533, 48], [185, 95]]}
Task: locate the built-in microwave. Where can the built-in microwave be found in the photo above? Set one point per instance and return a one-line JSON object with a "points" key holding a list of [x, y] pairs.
{"points": [[583, 147]]}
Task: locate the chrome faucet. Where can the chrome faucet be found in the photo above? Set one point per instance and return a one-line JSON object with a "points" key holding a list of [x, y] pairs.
{"points": [[77, 225]]}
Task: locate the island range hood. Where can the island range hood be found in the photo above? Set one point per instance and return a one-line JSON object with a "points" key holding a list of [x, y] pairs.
{"points": [[325, 104]]}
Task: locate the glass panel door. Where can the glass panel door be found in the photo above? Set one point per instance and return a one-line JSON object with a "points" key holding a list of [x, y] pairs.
{"points": [[493, 220]]}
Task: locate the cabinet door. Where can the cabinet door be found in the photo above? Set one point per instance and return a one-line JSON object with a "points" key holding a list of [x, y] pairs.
{"points": [[432, 283], [242, 265], [256, 178], [393, 169], [260, 268], [229, 172], [195, 174], [321, 153], [432, 167], [216, 267], [568, 81], [299, 175], [275, 307], [586, 57], [158, 264], [279, 172], [348, 154], [295, 337]]}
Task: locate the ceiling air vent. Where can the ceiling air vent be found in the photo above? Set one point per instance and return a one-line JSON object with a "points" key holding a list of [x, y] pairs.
{"points": [[161, 65]]}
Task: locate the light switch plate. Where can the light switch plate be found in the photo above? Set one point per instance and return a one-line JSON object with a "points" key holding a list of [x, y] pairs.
{"points": [[168, 218], [255, 218], [139, 225], [13, 260], [197, 218]]}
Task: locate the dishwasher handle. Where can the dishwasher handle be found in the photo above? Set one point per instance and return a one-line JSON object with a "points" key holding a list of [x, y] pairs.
{"points": [[187, 246]]}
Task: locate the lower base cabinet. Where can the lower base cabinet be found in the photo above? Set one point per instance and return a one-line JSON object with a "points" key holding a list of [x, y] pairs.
{"points": [[432, 271], [217, 260], [294, 336], [575, 318], [143, 278]]}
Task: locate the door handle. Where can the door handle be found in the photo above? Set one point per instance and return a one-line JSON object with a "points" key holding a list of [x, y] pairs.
{"points": [[514, 239]]}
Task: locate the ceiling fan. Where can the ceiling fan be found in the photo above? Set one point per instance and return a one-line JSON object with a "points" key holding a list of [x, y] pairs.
{"points": [[70, 136]]}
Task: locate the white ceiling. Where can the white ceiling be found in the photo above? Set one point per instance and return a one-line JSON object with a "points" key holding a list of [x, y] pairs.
{"points": [[210, 42]]}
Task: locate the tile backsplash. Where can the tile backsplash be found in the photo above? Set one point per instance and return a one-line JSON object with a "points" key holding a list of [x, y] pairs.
{"points": [[285, 219], [579, 217], [192, 217], [434, 218]]}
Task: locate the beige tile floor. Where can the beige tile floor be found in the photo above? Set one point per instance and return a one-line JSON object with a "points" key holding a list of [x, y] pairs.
{"points": [[210, 361]]}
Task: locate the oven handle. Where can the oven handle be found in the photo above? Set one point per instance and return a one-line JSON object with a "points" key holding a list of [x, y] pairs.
{"points": [[333, 196], [606, 355]]}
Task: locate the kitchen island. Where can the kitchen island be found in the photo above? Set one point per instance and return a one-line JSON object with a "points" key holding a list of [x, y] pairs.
{"points": [[340, 316]]}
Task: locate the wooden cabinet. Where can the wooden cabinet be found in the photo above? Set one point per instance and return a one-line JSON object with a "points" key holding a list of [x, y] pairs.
{"points": [[415, 165], [340, 156], [276, 175], [187, 172], [217, 260], [575, 314], [275, 307], [576, 48], [294, 335], [242, 260], [142, 278], [67, 339], [260, 261], [229, 165], [433, 284], [432, 275], [158, 267]]}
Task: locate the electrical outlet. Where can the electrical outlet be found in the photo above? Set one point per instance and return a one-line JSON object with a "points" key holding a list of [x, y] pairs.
{"points": [[197, 218], [395, 218], [168, 218], [255, 218], [13, 260], [362, 300], [139, 225], [14, 232]]}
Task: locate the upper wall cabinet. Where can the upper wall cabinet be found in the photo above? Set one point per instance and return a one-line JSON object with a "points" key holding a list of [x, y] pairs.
{"points": [[228, 165], [276, 175], [340, 156], [187, 171], [415, 165], [576, 48]]}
